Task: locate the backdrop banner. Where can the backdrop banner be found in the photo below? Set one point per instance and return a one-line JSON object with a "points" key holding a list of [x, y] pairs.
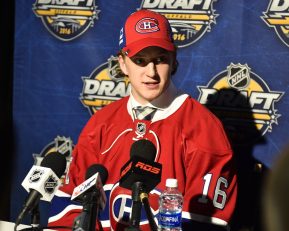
{"points": [[233, 57]]}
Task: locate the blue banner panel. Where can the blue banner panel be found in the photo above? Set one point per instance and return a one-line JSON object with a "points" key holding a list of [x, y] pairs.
{"points": [[233, 58]]}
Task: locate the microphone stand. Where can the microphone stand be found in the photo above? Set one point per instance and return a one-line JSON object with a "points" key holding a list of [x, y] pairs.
{"points": [[140, 196], [137, 187], [86, 221], [35, 217], [145, 201]]}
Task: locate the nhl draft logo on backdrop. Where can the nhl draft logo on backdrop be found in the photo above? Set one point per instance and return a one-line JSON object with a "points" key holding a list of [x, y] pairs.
{"points": [[243, 101], [104, 86], [277, 16], [189, 20], [66, 19]]}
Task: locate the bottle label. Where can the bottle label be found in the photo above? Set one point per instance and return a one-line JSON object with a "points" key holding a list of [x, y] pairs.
{"points": [[171, 220]]}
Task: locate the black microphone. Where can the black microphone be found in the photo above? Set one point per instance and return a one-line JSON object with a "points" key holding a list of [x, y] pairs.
{"points": [[141, 174], [91, 195], [42, 182], [141, 166]]}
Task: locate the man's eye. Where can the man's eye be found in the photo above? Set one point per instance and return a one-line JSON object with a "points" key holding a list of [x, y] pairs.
{"points": [[161, 59], [139, 61]]}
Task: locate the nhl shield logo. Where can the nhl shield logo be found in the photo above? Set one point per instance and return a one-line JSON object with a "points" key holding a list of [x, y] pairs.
{"points": [[36, 176], [113, 70], [238, 76], [141, 128]]}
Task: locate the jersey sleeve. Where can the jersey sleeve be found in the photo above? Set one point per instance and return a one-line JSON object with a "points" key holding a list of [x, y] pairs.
{"points": [[211, 179], [211, 191]]}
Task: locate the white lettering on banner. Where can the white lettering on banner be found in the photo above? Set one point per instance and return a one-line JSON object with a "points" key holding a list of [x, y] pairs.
{"points": [[104, 87], [91, 86], [174, 4], [279, 5], [260, 97], [62, 2], [227, 98]]}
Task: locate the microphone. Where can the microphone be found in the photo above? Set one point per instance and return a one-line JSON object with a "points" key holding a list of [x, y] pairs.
{"points": [[42, 182], [141, 166], [141, 174], [91, 195]]}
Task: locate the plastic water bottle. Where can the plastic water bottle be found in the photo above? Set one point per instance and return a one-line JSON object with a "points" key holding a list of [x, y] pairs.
{"points": [[170, 207]]}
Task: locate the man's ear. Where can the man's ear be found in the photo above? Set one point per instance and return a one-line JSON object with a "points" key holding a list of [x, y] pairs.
{"points": [[122, 64]]}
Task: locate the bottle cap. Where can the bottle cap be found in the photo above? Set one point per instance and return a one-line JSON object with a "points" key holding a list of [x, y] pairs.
{"points": [[172, 183]]}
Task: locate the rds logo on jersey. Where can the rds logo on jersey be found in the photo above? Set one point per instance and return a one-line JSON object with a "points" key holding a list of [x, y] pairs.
{"points": [[277, 17], [105, 85], [189, 20], [243, 102], [66, 19]]}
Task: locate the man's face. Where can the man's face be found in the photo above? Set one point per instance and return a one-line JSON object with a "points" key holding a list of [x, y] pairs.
{"points": [[149, 72]]}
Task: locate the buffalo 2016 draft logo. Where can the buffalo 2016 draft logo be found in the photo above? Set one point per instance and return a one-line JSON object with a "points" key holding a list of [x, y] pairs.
{"points": [[243, 101], [105, 85], [277, 16], [66, 19], [189, 20], [62, 145]]}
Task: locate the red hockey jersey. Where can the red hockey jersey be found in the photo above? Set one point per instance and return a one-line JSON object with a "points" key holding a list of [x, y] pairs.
{"points": [[191, 146]]}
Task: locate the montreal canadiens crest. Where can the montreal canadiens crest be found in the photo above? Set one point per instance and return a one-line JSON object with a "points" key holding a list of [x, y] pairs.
{"points": [[66, 19], [147, 25]]}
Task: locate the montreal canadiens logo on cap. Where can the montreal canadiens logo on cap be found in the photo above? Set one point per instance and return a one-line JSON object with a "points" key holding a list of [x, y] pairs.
{"points": [[147, 25]]}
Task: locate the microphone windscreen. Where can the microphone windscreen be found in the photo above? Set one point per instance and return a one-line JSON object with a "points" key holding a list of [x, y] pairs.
{"points": [[144, 149], [56, 162], [97, 168]]}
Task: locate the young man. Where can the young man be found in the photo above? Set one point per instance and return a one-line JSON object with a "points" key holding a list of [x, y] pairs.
{"points": [[190, 142]]}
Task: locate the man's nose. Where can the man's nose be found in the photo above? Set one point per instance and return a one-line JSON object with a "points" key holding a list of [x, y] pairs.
{"points": [[151, 69]]}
